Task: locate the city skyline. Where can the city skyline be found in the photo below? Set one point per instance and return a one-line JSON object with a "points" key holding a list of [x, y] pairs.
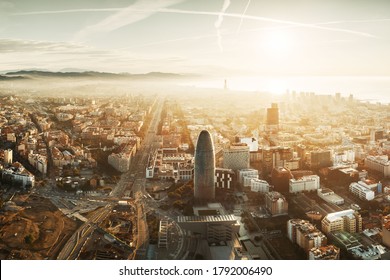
{"points": [[212, 38]]}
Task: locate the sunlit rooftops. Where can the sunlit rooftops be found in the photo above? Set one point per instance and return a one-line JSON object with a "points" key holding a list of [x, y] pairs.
{"points": [[202, 219], [339, 215]]}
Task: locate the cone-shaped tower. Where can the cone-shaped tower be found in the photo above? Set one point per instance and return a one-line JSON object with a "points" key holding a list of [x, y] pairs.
{"points": [[204, 181]]}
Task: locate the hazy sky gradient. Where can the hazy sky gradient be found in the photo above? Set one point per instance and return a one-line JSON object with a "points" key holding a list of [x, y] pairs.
{"points": [[217, 38]]}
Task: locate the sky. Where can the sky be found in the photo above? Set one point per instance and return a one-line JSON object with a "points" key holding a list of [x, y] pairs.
{"points": [[207, 37]]}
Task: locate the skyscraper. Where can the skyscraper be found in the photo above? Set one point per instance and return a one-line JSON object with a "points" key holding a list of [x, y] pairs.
{"points": [[204, 185], [273, 115]]}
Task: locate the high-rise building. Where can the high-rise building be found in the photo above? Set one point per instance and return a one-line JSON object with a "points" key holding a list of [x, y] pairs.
{"points": [[204, 175], [236, 157], [273, 115], [319, 159]]}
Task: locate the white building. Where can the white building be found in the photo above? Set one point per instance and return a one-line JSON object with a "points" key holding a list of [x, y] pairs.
{"points": [[362, 190], [346, 220], [342, 157], [251, 142], [249, 174], [378, 163], [306, 183], [329, 196], [258, 185]]}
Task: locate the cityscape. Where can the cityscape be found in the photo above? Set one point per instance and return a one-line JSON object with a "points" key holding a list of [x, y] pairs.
{"points": [[177, 157]]}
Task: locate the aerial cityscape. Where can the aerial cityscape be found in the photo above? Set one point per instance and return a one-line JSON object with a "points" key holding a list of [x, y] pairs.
{"points": [[161, 130]]}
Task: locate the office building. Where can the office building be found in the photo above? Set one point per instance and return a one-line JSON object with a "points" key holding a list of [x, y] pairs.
{"points": [[245, 175], [346, 220], [213, 225], [304, 184], [19, 176], [236, 157], [362, 190], [378, 163], [276, 204], [224, 178], [258, 185], [329, 196], [273, 116], [276, 157], [320, 159], [204, 174]]}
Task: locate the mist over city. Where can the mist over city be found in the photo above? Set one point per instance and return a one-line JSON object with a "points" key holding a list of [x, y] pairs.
{"points": [[194, 130]]}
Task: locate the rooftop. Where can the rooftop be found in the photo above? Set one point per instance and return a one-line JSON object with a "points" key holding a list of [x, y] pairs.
{"points": [[203, 219], [339, 215]]}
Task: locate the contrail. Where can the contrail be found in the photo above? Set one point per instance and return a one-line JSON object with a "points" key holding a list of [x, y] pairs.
{"points": [[219, 21], [242, 18], [233, 15]]}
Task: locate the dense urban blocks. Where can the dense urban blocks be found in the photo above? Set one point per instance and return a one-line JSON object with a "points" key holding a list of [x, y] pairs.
{"points": [[204, 185]]}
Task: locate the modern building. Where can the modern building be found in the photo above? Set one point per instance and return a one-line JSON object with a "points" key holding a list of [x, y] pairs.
{"points": [[276, 157], [304, 184], [329, 252], [362, 190], [224, 178], [211, 223], [204, 175], [329, 196], [346, 220], [18, 175], [320, 159], [276, 204], [245, 175], [273, 116], [379, 163], [236, 157], [258, 185], [170, 164]]}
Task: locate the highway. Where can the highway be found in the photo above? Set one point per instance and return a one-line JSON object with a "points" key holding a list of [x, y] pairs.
{"points": [[72, 248], [134, 179]]}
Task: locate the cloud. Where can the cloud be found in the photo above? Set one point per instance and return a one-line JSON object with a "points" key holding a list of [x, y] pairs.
{"points": [[219, 21], [18, 45], [138, 11]]}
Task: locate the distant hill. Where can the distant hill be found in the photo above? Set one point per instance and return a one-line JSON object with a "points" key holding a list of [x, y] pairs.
{"points": [[8, 78], [92, 74]]}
